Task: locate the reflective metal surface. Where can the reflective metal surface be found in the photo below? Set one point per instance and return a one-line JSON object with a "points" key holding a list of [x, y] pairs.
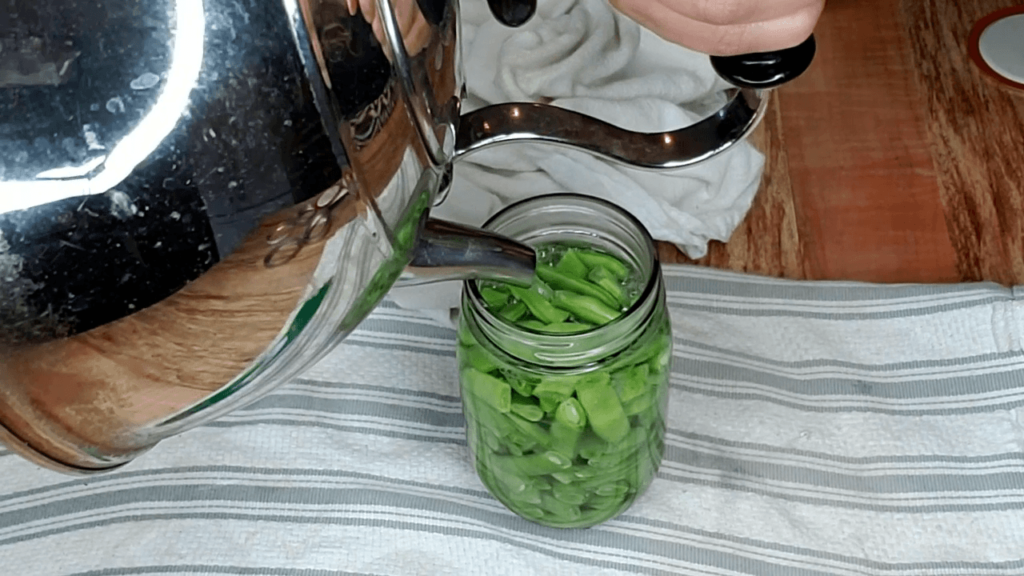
{"points": [[516, 122], [157, 115], [199, 198], [446, 251], [193, 211]]}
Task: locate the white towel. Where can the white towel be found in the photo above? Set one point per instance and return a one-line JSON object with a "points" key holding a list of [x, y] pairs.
{"points": [[584, 56], [814, 429]]}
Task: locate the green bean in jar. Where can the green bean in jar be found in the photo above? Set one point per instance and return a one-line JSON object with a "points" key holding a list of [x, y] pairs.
{"points": [[565, 383]]}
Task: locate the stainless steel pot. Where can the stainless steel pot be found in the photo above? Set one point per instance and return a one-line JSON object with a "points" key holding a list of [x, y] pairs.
{"points": [[199, 198]]}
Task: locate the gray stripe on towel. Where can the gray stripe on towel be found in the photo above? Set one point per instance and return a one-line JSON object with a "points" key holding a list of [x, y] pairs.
{"points": [[337, 406], [598, 536], [820, 407], [213, 569], [285, 421], [882, 481], [896, 507], [403, 347], [931, 387], [940, 487], [614, 542], [832, 363], [769, 312], [936, 459], [924, 486], [403, 391], [754, 287]]}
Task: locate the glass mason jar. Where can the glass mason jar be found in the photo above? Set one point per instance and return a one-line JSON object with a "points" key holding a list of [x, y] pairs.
{"points": [[567, 429]]}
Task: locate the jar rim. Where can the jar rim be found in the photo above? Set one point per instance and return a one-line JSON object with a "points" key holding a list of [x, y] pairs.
{"points": [[633, 318]]}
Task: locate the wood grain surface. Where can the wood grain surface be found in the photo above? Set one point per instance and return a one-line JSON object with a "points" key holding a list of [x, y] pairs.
{"points": [[892, 159]]}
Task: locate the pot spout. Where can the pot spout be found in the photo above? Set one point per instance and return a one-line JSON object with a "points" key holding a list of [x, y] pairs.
{"points": [[448, 251]]}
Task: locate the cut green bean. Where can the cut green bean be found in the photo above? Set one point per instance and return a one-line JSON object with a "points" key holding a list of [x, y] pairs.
{"points": [[610, 460], [549, 402], [539, 306], [616, 490], [635, 438], [569, 494], [540, 483], [535, 464], [526, 408], [663, 359], [519, 382], [519, 443], [648, 419], [491, 440], [465, 338], [604, 503], [513, 311], [638, 405], [584, 472], [586, 308], [592, 445], [590, 517], [562, 281], [505, 473], [559, 508], [494, 297], [489, 389], [631, 382], [506, 426], [558, 386], [613, 265], [570, 264], [603, 409], [532, 512], [571, 414], [530, 495], [530, 430], [479, 359], [603, 279], [567, 427], [564, 477], [533, 324], [606, 476], [564, 438]]}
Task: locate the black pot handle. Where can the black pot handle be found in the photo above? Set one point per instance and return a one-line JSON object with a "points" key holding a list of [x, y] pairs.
{"points": [[512, 13], [764, 69]]}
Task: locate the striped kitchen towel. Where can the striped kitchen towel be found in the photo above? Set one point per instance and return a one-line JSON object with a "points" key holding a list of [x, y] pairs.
{"points": [[815, 428]]}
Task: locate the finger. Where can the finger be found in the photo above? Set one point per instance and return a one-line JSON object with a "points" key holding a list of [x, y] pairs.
{"points": [[731, 12], [729, 40], [417, 36], [378, 32], [369, 10], [353, 6], [407, 12]]}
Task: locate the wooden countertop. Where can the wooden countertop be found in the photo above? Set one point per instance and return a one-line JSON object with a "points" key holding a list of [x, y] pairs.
{"points": [[892, 159]]}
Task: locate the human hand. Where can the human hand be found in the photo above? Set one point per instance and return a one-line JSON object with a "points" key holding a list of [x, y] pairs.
{"points": [[727, 27]]}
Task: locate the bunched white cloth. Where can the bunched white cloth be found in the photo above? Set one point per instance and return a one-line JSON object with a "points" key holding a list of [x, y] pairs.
{"points": [[585, 56], [814, 428]]}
